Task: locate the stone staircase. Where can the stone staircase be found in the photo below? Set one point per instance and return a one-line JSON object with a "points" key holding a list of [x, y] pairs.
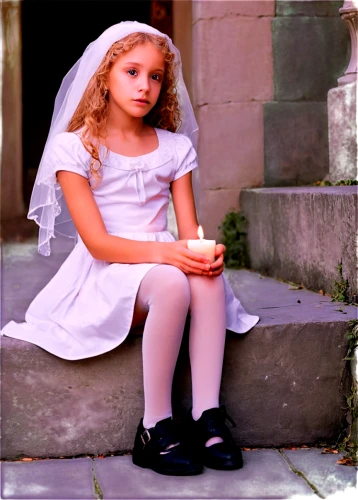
{"points": [[282, 382], [301, 234]]}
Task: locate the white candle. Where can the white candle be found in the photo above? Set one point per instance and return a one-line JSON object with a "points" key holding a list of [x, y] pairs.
{"points": [[205, 247]]}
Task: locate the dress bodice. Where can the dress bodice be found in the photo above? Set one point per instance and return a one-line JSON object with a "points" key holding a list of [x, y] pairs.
{"points": [[133, 192]]}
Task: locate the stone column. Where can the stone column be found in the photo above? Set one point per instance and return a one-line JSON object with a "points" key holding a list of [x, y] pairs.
{"points": [[342, 108], [12, 204], [311, 50]]}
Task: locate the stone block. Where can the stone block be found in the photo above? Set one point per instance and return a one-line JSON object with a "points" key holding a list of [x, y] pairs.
{"points": [[295, 143], [230, 64], [203, 9], [342, 132], [281, 381], [310, 54], [213, 206], [301, 234], [309, 8], [48, 479], [231, 145]]}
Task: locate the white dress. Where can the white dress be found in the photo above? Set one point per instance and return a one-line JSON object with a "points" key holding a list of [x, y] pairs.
{"points": [[86, 309]]}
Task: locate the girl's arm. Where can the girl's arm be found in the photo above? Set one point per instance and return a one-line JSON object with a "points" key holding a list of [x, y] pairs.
{"points": [[187, 222], [184, 207], [103, 246]]}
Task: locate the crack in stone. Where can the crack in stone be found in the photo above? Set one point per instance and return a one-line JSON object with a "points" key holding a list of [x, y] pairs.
{"points": [[232, 15], [97, 489], [300, 474], [249, 101]]}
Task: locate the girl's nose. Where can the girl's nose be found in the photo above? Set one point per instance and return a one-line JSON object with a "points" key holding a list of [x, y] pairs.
{"points": [[144, 84]]}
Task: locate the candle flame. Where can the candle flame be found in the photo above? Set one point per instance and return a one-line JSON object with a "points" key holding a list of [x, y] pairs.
{"points": [[200, 232]]}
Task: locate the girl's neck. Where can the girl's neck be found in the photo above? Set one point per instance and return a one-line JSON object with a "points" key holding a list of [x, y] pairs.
{"points": [[122, 125], [135, 140]]}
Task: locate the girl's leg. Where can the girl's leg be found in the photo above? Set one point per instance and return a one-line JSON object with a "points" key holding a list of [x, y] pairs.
{"points": [[164, 295], [206, 342]]}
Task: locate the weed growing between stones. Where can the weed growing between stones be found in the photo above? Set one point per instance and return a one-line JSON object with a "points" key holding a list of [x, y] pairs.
{"points": [[352, 336], [342, 182], [340, 291], [349, 444], [234, 234]]}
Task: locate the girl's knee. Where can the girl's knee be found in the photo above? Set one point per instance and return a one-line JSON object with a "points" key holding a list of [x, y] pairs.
{"points": [[170, 282], [173, 279], [209, 284], [200, 280]]}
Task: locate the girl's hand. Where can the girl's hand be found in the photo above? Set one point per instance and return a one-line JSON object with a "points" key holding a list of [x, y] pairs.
{"points": [[177, 254], [217, 267]]}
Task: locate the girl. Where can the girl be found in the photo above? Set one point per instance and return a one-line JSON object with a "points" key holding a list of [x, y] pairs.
{"points": [[122, 137]]}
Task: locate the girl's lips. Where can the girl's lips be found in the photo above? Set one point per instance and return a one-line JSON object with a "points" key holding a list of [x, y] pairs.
{"points": [[142, 101]]}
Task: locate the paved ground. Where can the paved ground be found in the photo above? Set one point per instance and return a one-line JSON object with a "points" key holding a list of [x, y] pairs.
{"points": [[267, 473]]}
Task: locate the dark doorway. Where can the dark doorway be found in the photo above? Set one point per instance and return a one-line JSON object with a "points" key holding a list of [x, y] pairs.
{"points": [[54, 35]]}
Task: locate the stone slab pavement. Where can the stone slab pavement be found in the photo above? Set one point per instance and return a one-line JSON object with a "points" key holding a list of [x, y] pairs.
{"points": [[267, 474]]}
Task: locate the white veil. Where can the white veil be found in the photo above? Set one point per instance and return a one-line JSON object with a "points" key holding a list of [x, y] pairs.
{"points": [[47, 206]]}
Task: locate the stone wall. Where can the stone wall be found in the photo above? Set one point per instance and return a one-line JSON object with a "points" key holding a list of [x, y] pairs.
{"points": [[311, 49], [232, 78]]}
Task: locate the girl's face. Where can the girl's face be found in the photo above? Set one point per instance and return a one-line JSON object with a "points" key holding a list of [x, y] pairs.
{"points": [[135, 80]]}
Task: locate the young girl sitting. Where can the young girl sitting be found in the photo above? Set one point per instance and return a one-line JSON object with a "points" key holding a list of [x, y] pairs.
{"points": [[122, 138]]}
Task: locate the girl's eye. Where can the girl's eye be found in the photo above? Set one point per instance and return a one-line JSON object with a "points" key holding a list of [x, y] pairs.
{"points": [[157, 78], [131, 72]]}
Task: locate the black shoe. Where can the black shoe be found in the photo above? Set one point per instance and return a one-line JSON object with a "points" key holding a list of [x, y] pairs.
{"points": [[221, 456], [150, 443]]}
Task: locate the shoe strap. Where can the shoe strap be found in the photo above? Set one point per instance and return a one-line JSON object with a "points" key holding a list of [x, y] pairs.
{"points": [[213, 424], [160, 437]]}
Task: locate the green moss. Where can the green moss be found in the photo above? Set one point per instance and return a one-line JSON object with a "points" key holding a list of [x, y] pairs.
{"points": [[97, 489], [342, 182], [234, 237], [352, 336], [289, 11], [340, 292]]}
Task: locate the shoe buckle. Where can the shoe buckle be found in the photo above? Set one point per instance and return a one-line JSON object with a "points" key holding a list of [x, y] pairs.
{"points": [[145, 433]]}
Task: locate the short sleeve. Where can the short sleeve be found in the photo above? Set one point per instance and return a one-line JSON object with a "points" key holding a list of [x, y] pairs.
{"points": [[66, 152], [186, 155]]}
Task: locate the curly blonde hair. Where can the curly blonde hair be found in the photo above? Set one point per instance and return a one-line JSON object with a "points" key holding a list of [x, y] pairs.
{"points": [[92, 111]]}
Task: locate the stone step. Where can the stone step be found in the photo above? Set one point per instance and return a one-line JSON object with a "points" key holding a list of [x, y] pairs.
{"points": [[282, 382], [301, 234]]}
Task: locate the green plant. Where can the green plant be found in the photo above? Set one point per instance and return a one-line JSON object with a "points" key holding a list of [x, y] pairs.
{"points": [[234, 234], [350, 442], [342, 182], [352, 336], [340, 291]]}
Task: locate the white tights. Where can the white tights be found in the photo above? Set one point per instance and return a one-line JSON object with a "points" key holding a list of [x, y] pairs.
{"points": [[163, 300]]}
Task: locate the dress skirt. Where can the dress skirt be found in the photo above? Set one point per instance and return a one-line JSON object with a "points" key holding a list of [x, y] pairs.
{"points": [[86, 309]]}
